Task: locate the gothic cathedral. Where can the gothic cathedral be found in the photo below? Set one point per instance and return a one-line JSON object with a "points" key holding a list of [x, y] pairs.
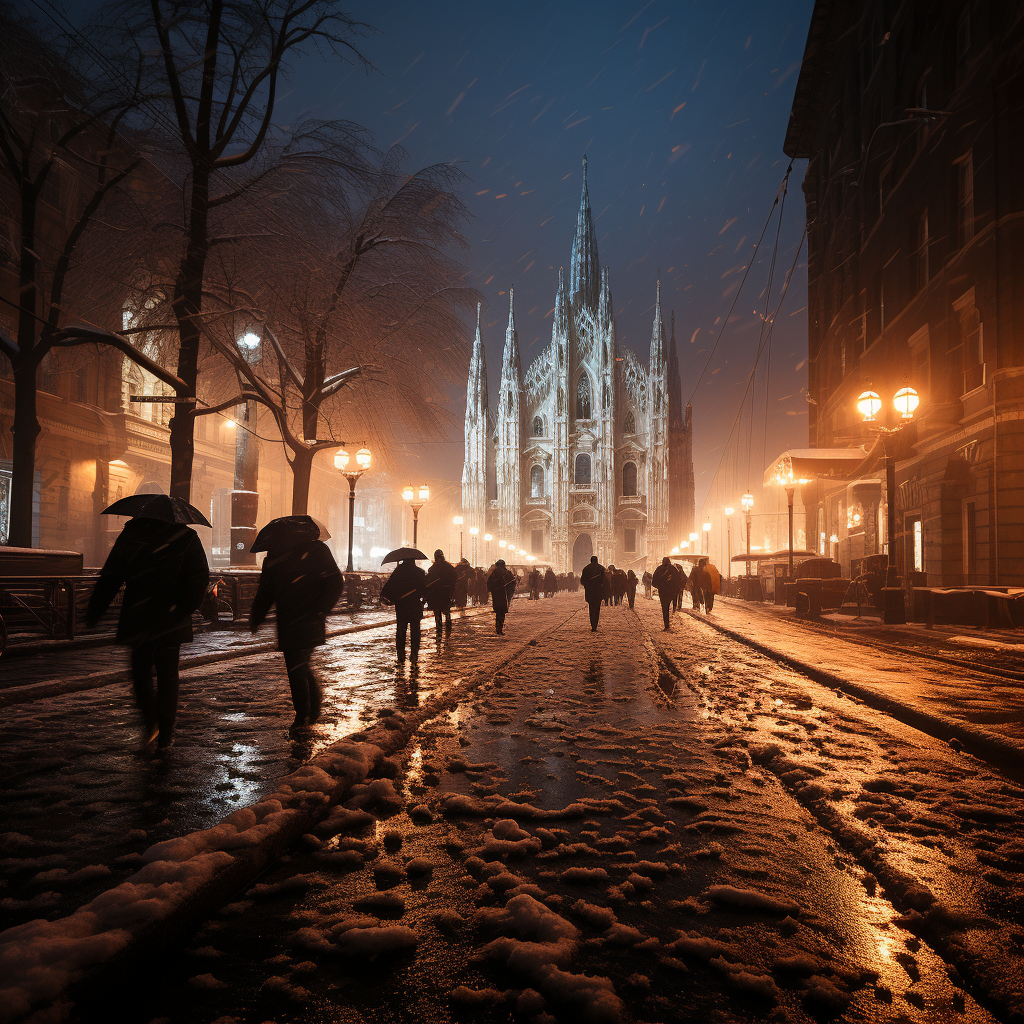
{"points": [[588, 452]]}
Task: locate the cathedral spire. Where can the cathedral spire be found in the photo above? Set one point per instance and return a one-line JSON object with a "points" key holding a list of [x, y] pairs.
{"points": [[657, 363], [510, 361], [477, 396], [585, 267]]}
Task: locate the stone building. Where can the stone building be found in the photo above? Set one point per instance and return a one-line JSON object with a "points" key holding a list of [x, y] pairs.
{"points": [[588, 451]]}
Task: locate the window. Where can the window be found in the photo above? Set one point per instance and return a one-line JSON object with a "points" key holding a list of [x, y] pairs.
{"points": [[510, 403], [970, 540], [50, 192], [582, 474], [583, 398], [920, 360], [629, 424], [915, 535], [629, 480], [537, 542], [629, 540], [967, 343], [921, 253], [538, 427], [537, 482], [965, 200]]}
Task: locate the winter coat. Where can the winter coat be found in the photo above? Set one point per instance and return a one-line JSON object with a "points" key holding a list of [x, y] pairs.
{"points": [[593, 580], [715, 576], [481, 586], [648, 579], [304, 581], [681, 573], [666, 579], [165, 574], [463, 582], [405, 589], [441, 579], [631, 582], [502, 585]]}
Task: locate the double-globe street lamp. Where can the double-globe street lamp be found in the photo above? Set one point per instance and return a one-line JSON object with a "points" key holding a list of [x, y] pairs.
{"points": [[416, 498], [869, 405], [341, 461]]}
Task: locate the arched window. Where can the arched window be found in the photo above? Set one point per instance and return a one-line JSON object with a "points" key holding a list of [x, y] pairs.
{"points": [[510, 402], [538, 427], [583, 398], [582, 475], [629, 480], [537, 482], [629, 424]]}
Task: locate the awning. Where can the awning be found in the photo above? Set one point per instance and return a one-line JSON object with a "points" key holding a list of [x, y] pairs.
{"points": [[774, 556], [815, 464]]}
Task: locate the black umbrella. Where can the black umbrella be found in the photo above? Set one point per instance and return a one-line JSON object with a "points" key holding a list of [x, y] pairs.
{"points": [[289, 531], [401, 554], [157, 506]]}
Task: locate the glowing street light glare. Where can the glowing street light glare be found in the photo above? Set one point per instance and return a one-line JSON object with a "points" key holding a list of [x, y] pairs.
{"points": [[341, 458], [249, 340], [706, 527], [474, 530], [869, 405], [675, 551], [488, 537], [424, 492], [363, 458], [729, 510], [747, 501], [693, 537], [457, 520], [407, 493], [906, 402], [230, 424], [502, 544]]}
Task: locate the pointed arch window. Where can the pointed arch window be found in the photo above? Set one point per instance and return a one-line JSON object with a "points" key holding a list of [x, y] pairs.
{"points": [[581, 478], [629, 480], [537, 482], [629, 424], [583, 399], [538, 427]]}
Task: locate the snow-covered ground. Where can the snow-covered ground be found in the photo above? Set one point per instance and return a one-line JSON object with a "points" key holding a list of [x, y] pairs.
{"points": [[635, 826]]}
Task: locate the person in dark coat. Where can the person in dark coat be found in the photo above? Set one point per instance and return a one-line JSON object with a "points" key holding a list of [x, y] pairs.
{"points": [[594, 580], [502, 585], [302, 578], [648, 582], [631, 585], [441, 579], [165, 575], [666, 579], [707, 586], [535, 585], [405, 589], [677, 604], [618, 586], [697, 588], [550, 582], [463, 583]]}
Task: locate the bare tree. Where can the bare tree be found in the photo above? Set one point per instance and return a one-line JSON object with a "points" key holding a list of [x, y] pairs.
{"points": [[219, 64], [371, 293], [65, 170]]}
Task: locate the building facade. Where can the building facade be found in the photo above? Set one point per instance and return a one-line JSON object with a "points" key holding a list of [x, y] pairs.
{"points": [[910, 117], [588, 451]]}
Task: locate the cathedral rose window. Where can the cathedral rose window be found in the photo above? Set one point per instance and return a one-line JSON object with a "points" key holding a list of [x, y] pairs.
{"points": [[629, 480], [582, 475], [583, 399]]}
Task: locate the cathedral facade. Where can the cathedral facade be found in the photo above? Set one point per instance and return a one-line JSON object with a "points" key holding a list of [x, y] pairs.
{"points": [[588, 452]]}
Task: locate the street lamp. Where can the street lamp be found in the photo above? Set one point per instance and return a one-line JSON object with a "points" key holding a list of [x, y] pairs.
{"points": [[341, 461], [457, 520], [706, 543], [416, 499], [747, 501], [728, 540], [869, 405], [784, 478], [473, 531], [487, 539]]}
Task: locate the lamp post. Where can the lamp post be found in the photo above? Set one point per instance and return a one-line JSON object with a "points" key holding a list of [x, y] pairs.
{"points": [[869, 405], [341, 461], [457, 520], [747, 501], [705, 544], [728, 540], [473, 531], [416, 499], [487, 540]]}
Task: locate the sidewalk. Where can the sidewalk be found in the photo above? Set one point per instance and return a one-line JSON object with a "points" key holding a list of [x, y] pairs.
{"points": [[955, 702]]}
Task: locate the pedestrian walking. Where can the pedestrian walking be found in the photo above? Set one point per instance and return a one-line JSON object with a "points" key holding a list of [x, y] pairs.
{"points": [[163, 568], [677, 604], [648, 582], [550, 582], [463, 583], [501, 584], [594, 580], [631, 585], [405, 589], [666, 579], [696, 589], [480, 582], [440, 589], [302, 578], [534, 579], [710, 583]]}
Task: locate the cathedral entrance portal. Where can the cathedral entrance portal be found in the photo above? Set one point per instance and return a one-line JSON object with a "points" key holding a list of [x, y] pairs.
{"points": [[582, 549]]}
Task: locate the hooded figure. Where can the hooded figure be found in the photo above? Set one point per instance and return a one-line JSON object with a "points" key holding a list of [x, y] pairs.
{"points": [[165, 574], [631, 585], [405, 589], [502, 585], [440, 590], [594, 581], [666, 579], [648, 582], [463, 583], [302, 578]]}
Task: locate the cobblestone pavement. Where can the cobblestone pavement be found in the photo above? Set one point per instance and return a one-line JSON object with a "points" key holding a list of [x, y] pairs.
{"points": [[595, 837], [79, 805]]}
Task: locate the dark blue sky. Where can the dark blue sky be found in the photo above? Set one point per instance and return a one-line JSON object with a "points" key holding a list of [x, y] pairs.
{"points": [[682, 110]]}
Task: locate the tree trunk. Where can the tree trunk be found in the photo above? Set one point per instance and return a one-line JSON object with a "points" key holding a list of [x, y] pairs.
{"points": [[187, 305], [302, 465], [25, 429]]}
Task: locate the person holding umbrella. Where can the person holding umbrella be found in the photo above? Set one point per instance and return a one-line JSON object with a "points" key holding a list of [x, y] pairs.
{"points": [[302, 578], [161, 563], [502, 585], [405, 589], [441, 591]]}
